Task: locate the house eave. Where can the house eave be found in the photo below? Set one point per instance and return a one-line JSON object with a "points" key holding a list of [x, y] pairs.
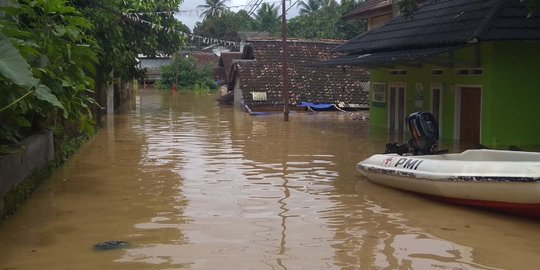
{"points": [[438, 56]]}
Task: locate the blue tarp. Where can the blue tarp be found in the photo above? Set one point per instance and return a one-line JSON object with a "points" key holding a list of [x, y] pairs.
{"points": [[316, 105]]}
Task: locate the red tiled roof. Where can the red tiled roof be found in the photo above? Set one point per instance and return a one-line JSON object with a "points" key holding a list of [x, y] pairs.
{"points": [[308, 81], [226, 60], [204, 58]]}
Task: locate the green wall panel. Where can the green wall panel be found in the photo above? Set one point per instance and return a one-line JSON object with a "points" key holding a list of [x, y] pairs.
{"points": [[510, 86], [514, 101]]}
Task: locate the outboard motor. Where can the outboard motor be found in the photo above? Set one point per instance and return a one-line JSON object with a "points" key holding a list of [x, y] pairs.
{"points": [[425, 136], [424, 131]]}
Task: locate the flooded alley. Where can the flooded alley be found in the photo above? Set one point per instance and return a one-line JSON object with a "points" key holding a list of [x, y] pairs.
{"points": [[191, 184]]}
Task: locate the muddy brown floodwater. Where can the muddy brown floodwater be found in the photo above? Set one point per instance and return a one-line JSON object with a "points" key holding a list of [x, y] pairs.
{"points": [[190, 184]]}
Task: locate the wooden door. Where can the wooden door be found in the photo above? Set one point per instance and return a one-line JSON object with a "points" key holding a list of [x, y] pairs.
{"points": [[471, 103]]}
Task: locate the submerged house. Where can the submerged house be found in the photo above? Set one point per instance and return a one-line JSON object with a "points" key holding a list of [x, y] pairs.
{"points": [[472, 63], [256, 80], [225, 62], [152, 66]]}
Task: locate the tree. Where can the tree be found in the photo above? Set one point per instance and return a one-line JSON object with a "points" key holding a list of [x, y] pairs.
{"points": [[311, 7], [189, 75], [225, 27], [327, 23], [213, 8], [267, 18], [48, 60], [330, 3]]}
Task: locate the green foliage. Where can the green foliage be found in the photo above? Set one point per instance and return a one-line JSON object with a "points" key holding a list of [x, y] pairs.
{"points": [[121, 39], [45, 64], [310, 7], [267, 19], [213, 8], [326, 22], [188, 74], [13, 67], [225, 27]]}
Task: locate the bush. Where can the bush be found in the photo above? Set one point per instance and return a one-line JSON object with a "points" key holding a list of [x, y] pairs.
{"points": [[190, 75], [46, 66]]}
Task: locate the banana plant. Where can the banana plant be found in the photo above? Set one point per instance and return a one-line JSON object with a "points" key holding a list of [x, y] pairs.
{"points": [[46, 65]]}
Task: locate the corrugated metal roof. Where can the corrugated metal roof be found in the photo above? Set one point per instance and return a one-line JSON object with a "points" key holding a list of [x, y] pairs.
{"points": [[439, 23], [154, 63]]}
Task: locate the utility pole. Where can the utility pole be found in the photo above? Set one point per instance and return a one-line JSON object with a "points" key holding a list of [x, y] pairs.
{"points": [[285, 91]]}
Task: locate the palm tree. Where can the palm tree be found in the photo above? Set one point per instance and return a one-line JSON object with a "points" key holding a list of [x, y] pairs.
{"points": [[311, 7], [213, 8], [329, 3], [267, 18]]}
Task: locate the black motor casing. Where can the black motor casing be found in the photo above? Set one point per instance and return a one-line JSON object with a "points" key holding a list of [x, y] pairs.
{"points": [[424, 132]]}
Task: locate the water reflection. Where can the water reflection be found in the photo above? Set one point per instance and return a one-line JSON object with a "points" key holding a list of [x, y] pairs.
{"points": [[193, 185], [408, 247]]}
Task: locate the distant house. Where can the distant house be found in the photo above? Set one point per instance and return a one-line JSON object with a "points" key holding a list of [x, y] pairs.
{"points": [[205, 58], [376, 12], [472, 63], [245, 37], [258, 82], [153, 67], [225, 63]]}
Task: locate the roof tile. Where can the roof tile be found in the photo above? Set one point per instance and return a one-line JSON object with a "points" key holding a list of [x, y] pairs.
{"points": [[448, 23], [308, 82]]}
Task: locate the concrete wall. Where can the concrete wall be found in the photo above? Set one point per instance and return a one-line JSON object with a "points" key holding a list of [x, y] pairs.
{"points": [[37, 152]]}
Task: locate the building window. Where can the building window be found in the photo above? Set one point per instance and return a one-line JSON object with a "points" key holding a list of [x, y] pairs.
{"points": [[398, 72], [436, 72], [470, 71], [258, 96], [378, 93]]}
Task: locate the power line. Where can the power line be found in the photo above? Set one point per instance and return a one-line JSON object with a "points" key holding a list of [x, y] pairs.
{"points": [[279, 17], [134, 16], [250, 12], [197, 10]]}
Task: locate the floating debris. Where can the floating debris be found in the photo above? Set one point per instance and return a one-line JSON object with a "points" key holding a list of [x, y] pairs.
{"points": [[110, 245]]}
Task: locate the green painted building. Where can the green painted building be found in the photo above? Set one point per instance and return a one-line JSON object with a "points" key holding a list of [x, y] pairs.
{"points": [[475, 64]]}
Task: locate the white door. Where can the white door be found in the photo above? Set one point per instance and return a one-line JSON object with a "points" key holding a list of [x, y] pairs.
{"points": [[396, 111]]}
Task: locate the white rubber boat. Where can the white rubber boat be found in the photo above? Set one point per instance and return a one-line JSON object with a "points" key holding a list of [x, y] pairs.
{"points": [[502, 180]]}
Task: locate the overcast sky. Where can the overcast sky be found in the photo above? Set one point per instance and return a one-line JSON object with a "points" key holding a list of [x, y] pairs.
{"points": [[190, 18]]}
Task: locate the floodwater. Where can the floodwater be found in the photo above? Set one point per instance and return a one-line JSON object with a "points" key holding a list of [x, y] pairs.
{"points": [[190, 184]]}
